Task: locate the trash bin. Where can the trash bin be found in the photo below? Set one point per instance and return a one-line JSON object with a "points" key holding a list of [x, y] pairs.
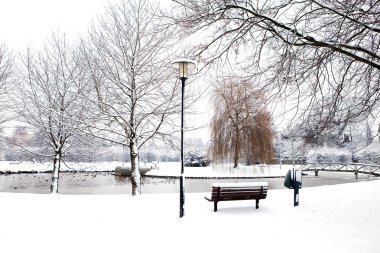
{"points": [[288, 182]]}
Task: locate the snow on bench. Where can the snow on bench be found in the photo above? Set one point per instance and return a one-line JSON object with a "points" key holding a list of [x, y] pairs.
{"points": [[245, 184]]}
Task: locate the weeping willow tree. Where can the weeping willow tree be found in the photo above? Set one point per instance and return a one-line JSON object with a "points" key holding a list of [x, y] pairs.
{"points": [[240, 127]]}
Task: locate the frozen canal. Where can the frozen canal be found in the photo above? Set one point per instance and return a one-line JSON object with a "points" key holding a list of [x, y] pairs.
{"points": [[107, 183]]}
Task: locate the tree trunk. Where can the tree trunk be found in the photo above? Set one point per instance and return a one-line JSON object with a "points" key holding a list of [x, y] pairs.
{"points": [[135, 176], [56, 168], [236, 154]]}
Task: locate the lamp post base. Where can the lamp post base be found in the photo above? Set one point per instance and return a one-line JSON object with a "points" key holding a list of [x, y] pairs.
{"points": [[296, 195], [181, 197]]}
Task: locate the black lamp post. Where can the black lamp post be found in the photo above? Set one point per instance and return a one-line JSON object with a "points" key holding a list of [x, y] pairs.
{"points": [[183, 65]]}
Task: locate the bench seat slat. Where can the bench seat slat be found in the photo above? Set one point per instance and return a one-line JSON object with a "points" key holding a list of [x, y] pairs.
{"points": [[255, 187], [236, 196], [239, 194], [228, 190], [255, 191], [230, 197], [242, 190]]}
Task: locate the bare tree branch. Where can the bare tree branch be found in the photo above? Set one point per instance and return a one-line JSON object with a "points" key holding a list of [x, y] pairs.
{"points": [[6, 65], [307, 51], [128, 52]]}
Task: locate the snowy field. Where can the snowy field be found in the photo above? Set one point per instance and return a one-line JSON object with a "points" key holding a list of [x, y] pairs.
{"points": [[340, 218]]}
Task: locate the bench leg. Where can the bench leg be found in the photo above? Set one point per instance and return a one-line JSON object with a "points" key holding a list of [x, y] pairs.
{"points": [[257, 203], [215, 206]]}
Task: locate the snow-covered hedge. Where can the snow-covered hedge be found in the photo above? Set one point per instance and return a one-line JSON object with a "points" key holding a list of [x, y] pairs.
{"points": [[329, 155], [194, 159], [371, 154]]}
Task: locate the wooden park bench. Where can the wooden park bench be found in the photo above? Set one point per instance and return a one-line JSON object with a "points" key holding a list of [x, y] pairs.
{"points": [[238, 191]]}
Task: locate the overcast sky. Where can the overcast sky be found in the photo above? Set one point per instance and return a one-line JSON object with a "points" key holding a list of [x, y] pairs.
{"points": [[29, 22]]}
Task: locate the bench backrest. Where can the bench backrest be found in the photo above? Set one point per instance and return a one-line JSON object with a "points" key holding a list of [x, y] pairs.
{"points": [[238, 193]]}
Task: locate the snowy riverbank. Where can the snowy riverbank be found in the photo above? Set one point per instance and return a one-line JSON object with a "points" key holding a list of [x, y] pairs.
{"points": [[174, 169], [340, 218], [171, 169], [22, 167]]}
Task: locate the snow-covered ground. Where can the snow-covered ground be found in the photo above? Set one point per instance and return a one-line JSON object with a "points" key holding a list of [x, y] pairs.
{"points": [[340, 218]]}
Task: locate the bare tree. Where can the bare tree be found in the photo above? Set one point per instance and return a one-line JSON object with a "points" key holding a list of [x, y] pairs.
{"points": [[322, 53], [6, 63], [48, 97], [240, 126], [128, 52]]}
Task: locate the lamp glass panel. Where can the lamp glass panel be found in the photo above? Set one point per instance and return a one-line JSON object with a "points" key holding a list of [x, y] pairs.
{"points": [[183, 69]]}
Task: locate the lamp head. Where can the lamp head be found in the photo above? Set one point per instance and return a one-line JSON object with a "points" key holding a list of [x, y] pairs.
{"points": [[184, 66]]}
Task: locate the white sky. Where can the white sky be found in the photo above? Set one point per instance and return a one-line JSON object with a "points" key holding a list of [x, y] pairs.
{"points": [[29, 22]]}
